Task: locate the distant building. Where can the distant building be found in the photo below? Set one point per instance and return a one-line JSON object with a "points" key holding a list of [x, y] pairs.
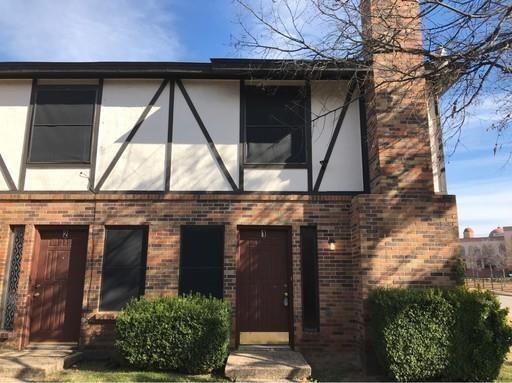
{"points": [[487, 256]]}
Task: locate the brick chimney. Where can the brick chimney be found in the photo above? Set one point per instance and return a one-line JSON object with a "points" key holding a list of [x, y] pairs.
{"points": [[404, 234], [399, 149]]}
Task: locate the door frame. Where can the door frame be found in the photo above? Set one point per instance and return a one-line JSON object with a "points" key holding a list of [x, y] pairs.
{"points": [[289, 271], [33, 268]]}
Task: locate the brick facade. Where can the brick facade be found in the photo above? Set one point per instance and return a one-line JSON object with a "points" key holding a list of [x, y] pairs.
{"points": [[379, 240]]}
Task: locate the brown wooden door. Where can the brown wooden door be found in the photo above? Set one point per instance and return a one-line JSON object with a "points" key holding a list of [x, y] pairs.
{"points": [[57, 284], [263, 282]]}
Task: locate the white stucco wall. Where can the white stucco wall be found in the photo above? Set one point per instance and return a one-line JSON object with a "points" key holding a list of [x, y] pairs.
{"points": [[344, 171], [142, 165], [435, 135], [14, 104], [3, 183], [276, 180], [193, 166], [75, 179]]}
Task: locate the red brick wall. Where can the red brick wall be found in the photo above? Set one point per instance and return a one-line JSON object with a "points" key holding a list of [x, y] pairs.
{"points": [[400, 158], [406, 241], [380, 240], [164, 215]]}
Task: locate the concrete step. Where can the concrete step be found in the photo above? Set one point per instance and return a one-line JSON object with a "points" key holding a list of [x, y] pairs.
{"points": [[269, 364], [34, 364], [63, 346]]}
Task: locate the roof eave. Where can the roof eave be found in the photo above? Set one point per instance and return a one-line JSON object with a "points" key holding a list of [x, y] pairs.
{"points": [[217, 68]]}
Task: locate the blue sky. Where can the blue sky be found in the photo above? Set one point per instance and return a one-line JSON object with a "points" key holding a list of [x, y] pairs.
{"points": [[195, 30]]}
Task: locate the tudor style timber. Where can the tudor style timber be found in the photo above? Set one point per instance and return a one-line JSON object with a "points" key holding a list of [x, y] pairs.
{"points": [[288, 193]]}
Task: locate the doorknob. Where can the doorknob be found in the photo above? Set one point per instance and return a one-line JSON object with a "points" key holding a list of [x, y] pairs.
{"points": [[285, 300], [37, 294]]}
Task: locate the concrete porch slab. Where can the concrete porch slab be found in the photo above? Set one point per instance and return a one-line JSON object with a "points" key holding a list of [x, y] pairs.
{"points": [[266, 365], [35, 363]]}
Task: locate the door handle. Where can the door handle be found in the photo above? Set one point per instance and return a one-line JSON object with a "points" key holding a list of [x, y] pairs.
{"points": [[285, 300], [37, 294]]}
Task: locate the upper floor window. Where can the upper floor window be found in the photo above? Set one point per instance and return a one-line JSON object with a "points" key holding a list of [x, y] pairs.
{"points": [[62, 124], [275, 125]]}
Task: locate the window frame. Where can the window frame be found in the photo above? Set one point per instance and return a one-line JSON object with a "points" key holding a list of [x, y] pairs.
{"points": [[143, 259], [57, 164], [223, 247], [306, 130], [316, 276]]}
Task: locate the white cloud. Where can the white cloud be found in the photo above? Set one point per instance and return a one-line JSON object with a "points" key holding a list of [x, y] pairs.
{"points": [[92, 30]]}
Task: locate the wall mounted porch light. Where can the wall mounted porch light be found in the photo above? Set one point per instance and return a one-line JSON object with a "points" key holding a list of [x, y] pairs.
{"points": [[332, 244]]}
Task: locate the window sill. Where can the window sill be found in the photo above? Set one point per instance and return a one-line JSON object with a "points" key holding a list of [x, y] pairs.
{"points": [[58, 165], [275, 166]]}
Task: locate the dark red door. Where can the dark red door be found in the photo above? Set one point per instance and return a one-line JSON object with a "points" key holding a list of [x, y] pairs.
{"points": [[57, 284], [263, 282]]}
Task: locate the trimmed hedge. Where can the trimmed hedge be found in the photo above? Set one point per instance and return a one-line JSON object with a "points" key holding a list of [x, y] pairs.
{"points": [[456, 335], [188, 334]]}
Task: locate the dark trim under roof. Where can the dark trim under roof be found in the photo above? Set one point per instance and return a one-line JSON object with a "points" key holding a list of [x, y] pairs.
{"points": [[216, 68]]}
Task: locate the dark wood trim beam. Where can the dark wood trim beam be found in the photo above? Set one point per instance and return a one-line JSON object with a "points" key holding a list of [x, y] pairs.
{"points": [[26, 139], [130, 136], [309, 136], [348, 100], [7, 176], [168, 145], [241, 145], [95, 132], [364, 142], [209, 140]]}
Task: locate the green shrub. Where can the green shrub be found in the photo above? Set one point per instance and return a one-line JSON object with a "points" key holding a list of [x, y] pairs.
{"points": [[439, 334], [481, 336], [189, 334], [411, 331]]}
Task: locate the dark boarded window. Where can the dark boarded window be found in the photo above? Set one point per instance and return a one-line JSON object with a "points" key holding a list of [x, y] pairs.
{"points": [[310, 303], [62, 127], [275, 125], [202, 260], [124, 266]]}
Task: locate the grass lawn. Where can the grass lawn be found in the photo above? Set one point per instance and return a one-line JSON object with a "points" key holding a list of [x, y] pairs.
{"points": [[323, 371], [506, 372], [101, 372]]}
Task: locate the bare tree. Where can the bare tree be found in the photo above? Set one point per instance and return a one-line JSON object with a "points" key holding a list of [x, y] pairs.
{"points": [[465, 53]]}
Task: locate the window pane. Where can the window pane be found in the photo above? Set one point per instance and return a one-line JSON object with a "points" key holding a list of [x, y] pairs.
{"points": [[202, 281], [60, 144], [118, 286], [65, 106], [274, 105], [275, 145], [202, 260], [310, 299], [123, 247], [124, 263], [202, 246]]}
